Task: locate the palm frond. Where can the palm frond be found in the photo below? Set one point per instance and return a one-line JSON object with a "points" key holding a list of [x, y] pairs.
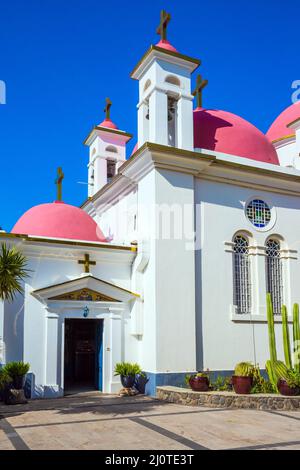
{"points": [[13, 271]]}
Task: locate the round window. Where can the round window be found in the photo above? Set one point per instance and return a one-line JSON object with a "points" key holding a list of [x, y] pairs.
{"points": [[258, 213]]}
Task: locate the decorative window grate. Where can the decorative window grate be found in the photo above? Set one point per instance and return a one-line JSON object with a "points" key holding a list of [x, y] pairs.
{"points": [[259, 213], [242, 278], [274, 274]]}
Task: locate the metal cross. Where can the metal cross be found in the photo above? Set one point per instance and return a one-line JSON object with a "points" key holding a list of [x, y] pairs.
{"points": [[87, 263], [200, 85], [58, 182], [162, 28], [107, 109]]}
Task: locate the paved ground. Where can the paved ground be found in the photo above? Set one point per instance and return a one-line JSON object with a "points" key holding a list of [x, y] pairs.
{"points": [[94, 421]]}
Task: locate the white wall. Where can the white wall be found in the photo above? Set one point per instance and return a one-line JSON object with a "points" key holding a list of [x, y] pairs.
{"points": [[221, 342]]}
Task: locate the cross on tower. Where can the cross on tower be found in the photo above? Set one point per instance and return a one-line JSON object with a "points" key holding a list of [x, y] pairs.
{"points": [[87, 263], [162, 28], [200, 85], [107, 109], [58, 182]]}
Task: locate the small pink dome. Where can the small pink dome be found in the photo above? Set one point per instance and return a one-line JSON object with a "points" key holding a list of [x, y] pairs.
{"points": [[108, 123], [164, 44], [59, 220], [228, 133], [134, 149], [279, 129]]}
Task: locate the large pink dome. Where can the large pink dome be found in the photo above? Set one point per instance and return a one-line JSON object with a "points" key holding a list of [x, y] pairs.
{"points": [[279, 129], [59, 220], [228, 133]]}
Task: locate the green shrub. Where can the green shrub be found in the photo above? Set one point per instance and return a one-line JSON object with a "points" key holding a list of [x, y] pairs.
{"points": [[127, 368], [5, 378], [261, 385], [16, 369], [222, 384]]}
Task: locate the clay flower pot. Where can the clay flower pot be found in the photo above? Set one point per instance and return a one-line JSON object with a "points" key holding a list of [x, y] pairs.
{"points": [[199, 384], [242, 385], [285, 390]]}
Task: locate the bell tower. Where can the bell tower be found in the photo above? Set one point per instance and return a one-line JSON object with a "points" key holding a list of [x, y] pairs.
{"points": [[165, 108], [107, 146]]}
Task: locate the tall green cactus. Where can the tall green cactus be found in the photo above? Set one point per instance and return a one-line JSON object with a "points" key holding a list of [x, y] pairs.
{"points": [[296, 337], [286, 338], [271, 329]]}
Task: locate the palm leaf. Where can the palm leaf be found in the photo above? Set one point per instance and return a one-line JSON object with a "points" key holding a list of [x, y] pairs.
{"points": [[13, 271]]}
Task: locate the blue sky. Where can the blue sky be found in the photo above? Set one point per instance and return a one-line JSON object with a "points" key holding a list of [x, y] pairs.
{"points": [[60, 59]]}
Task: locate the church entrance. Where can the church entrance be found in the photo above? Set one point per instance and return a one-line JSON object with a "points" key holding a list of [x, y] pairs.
{"points": [[83, 354]]}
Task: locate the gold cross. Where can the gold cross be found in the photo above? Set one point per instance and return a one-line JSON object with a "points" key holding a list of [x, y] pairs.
{"points": [[162, 28], [58, 182], [200, 85], [107, 109], [87, 263]]}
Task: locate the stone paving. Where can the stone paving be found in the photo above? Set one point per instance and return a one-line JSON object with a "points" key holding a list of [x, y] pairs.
{"points": [[96, 421]]}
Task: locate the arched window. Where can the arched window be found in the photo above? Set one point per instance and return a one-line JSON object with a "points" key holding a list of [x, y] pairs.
{"points": [[173, 80], [242, 277], [111, 148], [274, 274]]}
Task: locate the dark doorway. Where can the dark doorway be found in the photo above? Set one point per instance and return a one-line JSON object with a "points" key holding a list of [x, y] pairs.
{"points": [[83, 354]]}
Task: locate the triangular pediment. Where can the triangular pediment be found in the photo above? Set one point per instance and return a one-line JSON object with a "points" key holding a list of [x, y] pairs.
{"points": [[87, 295], [84, 289]]}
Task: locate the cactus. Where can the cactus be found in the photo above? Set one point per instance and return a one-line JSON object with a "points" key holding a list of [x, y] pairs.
{"points": [[296, 337], [286, 338], [244, 369], [272, 377], [272, 341], [280, 370]]}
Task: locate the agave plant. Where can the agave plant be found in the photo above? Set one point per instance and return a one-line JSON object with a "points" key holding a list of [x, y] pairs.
{"points": [[12, 272]]}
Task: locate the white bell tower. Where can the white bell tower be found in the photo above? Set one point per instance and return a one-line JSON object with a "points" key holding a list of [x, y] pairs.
{"points": [[107, 152], [165, 108]]}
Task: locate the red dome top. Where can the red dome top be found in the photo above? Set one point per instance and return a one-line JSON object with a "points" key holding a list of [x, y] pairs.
{"points": [[59, 220], [165, 44], [228, 133], [108, 123], [279, 129]]}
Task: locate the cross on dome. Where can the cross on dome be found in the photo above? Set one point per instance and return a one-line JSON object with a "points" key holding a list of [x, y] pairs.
{"points": [[164, 21], [200, 85], [107, 109], [58, 182]]}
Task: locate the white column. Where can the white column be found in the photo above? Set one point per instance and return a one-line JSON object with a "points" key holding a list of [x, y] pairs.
{"points": [[158, 117], [258, 280], [185, 123], [100, 175], [112, 352], [53, 356], [143, 124]]}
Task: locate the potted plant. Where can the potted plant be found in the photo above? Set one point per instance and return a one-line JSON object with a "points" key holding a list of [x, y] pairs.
{"points": [[5, 383], [242, 379], [127, 373], [198, 382], [288, 380], [141, 381], [17, 371]]}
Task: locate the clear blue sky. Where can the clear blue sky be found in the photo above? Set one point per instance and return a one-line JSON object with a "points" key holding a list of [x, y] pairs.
{"points": [[61, 58]]}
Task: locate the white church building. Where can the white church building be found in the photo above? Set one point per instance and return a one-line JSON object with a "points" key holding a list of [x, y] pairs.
{"points": [[168, 261]]}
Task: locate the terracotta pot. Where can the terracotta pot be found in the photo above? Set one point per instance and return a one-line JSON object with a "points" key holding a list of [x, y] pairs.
{"points": [[242, 385], [284, 389], [199, 384]]}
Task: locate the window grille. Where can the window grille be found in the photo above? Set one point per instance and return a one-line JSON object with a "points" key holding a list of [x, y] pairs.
{"points": [[259, 213], [242, 278], [274, 274]]}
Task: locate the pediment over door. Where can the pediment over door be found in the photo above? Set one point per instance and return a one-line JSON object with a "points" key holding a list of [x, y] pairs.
{"points": [[86, 288]]}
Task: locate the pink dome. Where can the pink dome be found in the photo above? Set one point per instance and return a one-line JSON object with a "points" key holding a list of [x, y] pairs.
{"points": [[134, 149], [108, 123], [228, 133], [164, 44], [279, 129], [59, 220]]}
